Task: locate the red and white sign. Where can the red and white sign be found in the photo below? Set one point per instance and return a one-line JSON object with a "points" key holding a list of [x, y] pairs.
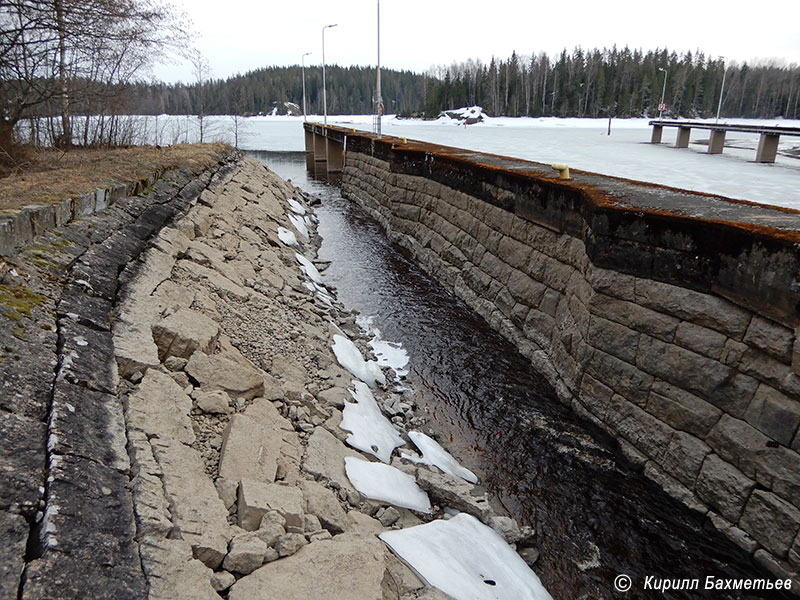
{"points": [[662, 107]]}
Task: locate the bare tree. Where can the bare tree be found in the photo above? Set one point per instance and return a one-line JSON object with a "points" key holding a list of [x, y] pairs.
{"points": [[63, 56], [202, 72]]}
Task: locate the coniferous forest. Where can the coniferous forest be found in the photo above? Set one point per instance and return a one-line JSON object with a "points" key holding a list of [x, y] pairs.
{"points": [[593, 83]]}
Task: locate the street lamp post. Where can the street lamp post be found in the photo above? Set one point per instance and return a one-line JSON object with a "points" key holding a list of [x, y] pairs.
{"points": [[663, 91], [303, 61], [324, 91], [722, 89], [378, 99]]}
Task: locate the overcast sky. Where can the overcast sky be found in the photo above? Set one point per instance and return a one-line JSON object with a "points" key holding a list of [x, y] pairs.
{"points": [[237, 36]]}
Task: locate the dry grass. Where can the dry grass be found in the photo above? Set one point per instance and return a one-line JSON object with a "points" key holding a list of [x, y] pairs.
{"points": [[52, 175]]}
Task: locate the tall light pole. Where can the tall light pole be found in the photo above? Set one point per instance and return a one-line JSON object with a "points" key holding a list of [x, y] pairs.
{"points": [[303, 60], [663, 91], [722, 89], [324, 91], [378, 99]]}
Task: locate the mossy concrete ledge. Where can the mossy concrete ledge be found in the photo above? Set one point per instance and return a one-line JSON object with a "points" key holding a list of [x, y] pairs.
{"points": [[18, 228], [669, 318]]}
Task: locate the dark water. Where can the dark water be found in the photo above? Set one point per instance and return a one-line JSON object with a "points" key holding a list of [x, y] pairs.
{"points": [[594, 515]]}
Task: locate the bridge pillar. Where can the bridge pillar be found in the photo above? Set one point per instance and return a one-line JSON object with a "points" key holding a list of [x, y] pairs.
{"points": [[767, 147], [320, 153], [335, 154], [309, 138], [717, 141], [682, 140], [656, 137]]}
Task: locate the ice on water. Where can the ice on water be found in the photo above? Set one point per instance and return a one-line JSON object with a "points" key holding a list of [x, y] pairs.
{"points": [[434, 454], [378, 481], [370, 431], [351, 359], [389, 354], [466, 560]]}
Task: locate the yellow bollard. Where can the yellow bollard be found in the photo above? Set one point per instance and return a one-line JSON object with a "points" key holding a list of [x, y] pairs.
{"points": [[563, 170]]}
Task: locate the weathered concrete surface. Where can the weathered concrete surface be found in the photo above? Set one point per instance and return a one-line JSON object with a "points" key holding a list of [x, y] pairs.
{"points": [[64, 466], [316, 571], [677, 335]]}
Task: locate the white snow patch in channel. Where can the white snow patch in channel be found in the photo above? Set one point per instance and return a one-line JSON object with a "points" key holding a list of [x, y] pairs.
{"points": [[307, 267], [287, 237], [370, 431], [350, 358], [389, 354], [296, 207], [434, 454], [466, 560], [299, 224], [386, 484]]}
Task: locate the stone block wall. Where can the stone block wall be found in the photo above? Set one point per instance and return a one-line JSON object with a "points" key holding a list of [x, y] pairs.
{"points": [[695, 374]]}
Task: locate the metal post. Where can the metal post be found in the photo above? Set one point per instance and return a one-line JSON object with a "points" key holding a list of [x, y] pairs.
{"points": [[721, 89], [303, 60], [324, 91], [379, 107], [663, 91]]}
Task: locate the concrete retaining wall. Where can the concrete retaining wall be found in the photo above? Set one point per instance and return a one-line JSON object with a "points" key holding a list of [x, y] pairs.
{"points": [[19, 227], [677, 335]]}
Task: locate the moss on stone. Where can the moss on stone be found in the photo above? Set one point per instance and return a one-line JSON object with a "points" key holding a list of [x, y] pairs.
{"points": [[18, 301]]}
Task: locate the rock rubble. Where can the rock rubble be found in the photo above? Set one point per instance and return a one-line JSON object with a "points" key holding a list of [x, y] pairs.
{"points": [[233, 400]]}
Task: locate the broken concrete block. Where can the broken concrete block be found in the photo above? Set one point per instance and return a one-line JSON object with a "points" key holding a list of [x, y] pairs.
{"points": [[249, 451], [321, 502], [246, 553], [224, 372], [184, 332], [316, 571], [290, 543], [214, 403], [256, 499], [454, 492]]}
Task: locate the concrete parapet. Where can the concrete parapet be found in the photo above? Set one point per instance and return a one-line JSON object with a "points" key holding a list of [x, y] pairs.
{"points": [[19, 227]]}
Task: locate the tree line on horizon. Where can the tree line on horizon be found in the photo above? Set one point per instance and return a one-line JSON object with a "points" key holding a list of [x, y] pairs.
{"points": [[592, 83]]}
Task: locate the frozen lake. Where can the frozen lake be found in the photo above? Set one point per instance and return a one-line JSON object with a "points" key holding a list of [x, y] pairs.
{"points": [[581, 143]]}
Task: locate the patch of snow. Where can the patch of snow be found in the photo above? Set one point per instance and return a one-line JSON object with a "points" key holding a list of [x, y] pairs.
{"points": [[370, 431], [378, 481], [325, 298], [80, 340], [433, 454], [389, 354], [286, 236], [307, 267], [299, 224], [296, 207], [466, 560], [351, 359]]}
